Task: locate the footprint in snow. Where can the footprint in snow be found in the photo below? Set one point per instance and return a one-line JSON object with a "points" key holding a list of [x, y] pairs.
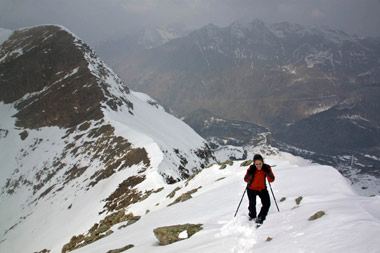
{"points": [[241, 229]]}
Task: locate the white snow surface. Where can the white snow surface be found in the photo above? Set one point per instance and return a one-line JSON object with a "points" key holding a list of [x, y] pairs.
{"points": [[351, 223], [157, 131]]}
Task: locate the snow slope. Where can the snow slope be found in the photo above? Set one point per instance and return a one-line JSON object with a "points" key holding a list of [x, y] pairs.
{"points": [[156, 131], [351, 223], [55, 218], [49, 185]]}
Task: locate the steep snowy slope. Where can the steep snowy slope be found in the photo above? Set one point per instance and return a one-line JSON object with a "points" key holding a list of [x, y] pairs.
{"points": [[351, 223], [72, 135]]}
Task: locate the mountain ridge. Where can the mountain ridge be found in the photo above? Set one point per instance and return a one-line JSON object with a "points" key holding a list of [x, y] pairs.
{"points": [[272, 75], [72, 130], [308, 63]]}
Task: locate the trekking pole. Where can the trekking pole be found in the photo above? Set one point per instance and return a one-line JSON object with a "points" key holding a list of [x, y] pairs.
{"points": [[273, 196], [240, 202]]}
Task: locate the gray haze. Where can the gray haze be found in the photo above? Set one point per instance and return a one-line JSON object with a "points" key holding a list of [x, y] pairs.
{"points": [[98, 20]]}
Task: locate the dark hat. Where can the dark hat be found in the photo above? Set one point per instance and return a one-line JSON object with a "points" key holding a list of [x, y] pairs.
{"points": [[258, 157]]}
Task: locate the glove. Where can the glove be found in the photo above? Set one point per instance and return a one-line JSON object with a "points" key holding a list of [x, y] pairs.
{"points": [[266, 170]]}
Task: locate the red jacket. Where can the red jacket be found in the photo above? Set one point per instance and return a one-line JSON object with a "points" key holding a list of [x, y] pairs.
{"points": [[256, 178]]}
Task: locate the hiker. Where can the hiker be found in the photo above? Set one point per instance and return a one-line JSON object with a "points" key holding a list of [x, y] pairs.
{"points": [[255, 177]]}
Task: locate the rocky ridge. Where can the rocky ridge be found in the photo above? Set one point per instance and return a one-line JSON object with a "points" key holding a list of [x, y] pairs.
{"points": [[71, 130], [279, 73]]}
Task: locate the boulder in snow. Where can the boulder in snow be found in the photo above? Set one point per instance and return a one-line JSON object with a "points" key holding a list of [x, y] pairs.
{"points": [[170, 234], [317, 215]]}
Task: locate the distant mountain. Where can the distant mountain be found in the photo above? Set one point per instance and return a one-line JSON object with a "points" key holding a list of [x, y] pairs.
{"points": [[154, 37], [114, 51], [278, 73], [357, 117], [72, 132], [220, 132], [272, 75], [347, 135]]}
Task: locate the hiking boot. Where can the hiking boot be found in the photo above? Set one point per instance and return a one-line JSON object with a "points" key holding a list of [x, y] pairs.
{"points": [[251, 217], [259, 220]]}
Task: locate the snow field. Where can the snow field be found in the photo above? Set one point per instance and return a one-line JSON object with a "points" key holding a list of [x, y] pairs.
{"points": [[351, 223]]}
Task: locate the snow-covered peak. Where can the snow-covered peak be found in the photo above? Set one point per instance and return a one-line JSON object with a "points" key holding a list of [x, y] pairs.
{"points": [[154, 37], [284, 29], [239, 28], [258, 24], [72, 132]]}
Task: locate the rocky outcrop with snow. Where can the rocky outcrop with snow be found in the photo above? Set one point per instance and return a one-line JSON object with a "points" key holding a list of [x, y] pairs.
{"points": [[75, 140]]}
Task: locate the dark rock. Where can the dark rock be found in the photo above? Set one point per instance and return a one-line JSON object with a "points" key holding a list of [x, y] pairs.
{"points": [[125, 248], [317, 215], [298, 200]]}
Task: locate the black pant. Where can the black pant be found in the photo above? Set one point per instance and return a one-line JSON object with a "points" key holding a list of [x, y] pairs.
{"points": [[265, 201]]}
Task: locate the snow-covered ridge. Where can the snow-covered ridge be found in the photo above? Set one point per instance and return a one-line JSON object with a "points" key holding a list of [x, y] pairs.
{"points": [[113, 87], [155, 130], [286, 29], [257, 40], [48, 171], [215, 201]]}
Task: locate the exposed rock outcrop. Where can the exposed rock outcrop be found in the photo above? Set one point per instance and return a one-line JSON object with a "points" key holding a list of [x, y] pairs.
{"points": [[170, 234]]}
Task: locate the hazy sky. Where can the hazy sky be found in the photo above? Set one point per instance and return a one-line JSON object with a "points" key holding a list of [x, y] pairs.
{"points": [[94, 20]]}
